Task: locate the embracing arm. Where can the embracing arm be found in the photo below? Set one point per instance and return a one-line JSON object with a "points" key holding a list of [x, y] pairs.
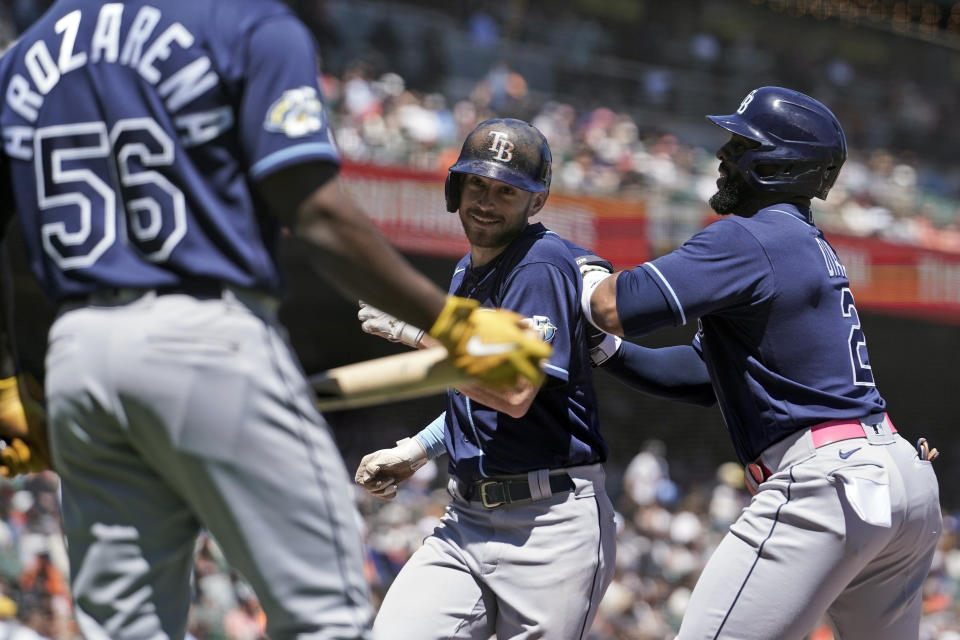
{"points": [[675, 373], [720, 268], [626, 303], [344, 247]]}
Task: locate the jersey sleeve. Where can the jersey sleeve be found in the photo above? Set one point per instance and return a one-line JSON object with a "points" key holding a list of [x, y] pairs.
{"points": [[723, 267], [540, 292], [283, 120]]}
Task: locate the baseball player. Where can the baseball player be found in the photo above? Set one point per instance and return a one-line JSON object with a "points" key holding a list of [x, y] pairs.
{"points": [[846, 516], [152, 152], [526, 547]]}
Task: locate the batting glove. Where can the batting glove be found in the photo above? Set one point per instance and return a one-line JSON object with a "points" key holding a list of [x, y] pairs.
{"points": [[490, 345], [24, 444], [380, 472], [381, 323]]}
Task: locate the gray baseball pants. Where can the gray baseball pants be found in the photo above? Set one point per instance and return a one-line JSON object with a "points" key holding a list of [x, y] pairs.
{"points": [[848, 529], [171, 413], [520, 571]]}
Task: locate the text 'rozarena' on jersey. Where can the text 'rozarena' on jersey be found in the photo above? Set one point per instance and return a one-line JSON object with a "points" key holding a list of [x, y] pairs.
{"points": [[140, 46]]}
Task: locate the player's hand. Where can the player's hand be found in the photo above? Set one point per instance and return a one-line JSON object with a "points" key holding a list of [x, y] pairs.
{"points": [[925, 451], [381, 323], [24, 444], [381, 471], [491, 345], [602, 345]]}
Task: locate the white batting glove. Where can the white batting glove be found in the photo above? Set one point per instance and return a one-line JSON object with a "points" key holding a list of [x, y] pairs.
{"points": [[381, 323], [380, 472]]}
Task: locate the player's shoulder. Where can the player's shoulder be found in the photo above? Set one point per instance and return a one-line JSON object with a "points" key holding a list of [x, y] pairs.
{"points": [[544, 246], [725, 229], [242, 16], [780, 226], [252, 10], [220, 21]]}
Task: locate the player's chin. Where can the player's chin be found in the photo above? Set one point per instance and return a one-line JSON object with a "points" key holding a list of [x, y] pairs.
{"points": [[728, 198], [722, 204], [485, 236]]}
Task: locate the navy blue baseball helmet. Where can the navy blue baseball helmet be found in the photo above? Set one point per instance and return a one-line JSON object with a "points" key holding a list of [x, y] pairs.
{"points": [[802, 145], [505, 149]]}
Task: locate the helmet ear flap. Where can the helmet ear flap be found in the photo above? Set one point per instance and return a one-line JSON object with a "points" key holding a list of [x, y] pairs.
{"points": [[451, 190], [829, 177]]}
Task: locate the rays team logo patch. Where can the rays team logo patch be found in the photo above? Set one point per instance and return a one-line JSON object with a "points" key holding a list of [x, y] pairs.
{"points": [[543, 326], [297, 113]]}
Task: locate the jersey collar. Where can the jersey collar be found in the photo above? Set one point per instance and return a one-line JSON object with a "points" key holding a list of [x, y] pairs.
{"points": [[801, 213], [528, 231]]}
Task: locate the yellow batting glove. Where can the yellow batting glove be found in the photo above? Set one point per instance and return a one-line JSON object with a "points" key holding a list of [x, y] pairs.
{"points": [[24, 446], [491, 345], [18, 458]]}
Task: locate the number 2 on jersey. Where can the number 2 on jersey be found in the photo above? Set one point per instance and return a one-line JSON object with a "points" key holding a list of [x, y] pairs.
{"points": [[859, 361], [76, 171]]}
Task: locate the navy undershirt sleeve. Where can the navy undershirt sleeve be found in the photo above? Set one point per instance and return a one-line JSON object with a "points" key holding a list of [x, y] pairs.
{"points": [[676, 373], [719, 269], [639, 298]]}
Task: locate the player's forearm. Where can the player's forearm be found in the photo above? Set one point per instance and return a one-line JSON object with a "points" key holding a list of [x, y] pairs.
{"points": [[603, 306], [513, 401], [675, 373], [431, 437], [344, 247]]}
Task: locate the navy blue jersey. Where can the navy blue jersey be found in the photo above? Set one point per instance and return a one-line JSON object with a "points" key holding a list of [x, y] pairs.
{"points": [[778, 329], [131, 139], [536, 276]]}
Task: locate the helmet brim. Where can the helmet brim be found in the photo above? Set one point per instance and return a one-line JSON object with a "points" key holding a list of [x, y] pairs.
{"points": [[499, 172], [735, 124]]}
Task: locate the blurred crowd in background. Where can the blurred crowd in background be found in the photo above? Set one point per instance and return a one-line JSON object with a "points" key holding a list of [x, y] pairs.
{"points": [[619, 88], [621, 100], [666, 532]]}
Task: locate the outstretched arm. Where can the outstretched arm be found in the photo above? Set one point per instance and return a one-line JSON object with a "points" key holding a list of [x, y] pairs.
{"points": [[675, 373], [344, 246]]}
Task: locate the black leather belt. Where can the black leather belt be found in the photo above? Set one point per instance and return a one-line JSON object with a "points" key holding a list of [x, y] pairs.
{"points": [[200, 289], [500, 490]]}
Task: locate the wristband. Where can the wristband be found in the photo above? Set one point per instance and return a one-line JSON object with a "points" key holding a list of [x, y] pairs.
{"points": [[605, 350], [410, 335], [591, 280], [413, 452]]}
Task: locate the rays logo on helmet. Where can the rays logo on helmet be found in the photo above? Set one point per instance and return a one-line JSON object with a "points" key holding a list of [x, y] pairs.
{"points": [[746, 102], [298, 112], [503, 147], [543, 326]]}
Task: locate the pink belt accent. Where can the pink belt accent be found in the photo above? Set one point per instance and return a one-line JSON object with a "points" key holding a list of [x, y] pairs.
{"points": [[822, 434], [836, 430]]}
